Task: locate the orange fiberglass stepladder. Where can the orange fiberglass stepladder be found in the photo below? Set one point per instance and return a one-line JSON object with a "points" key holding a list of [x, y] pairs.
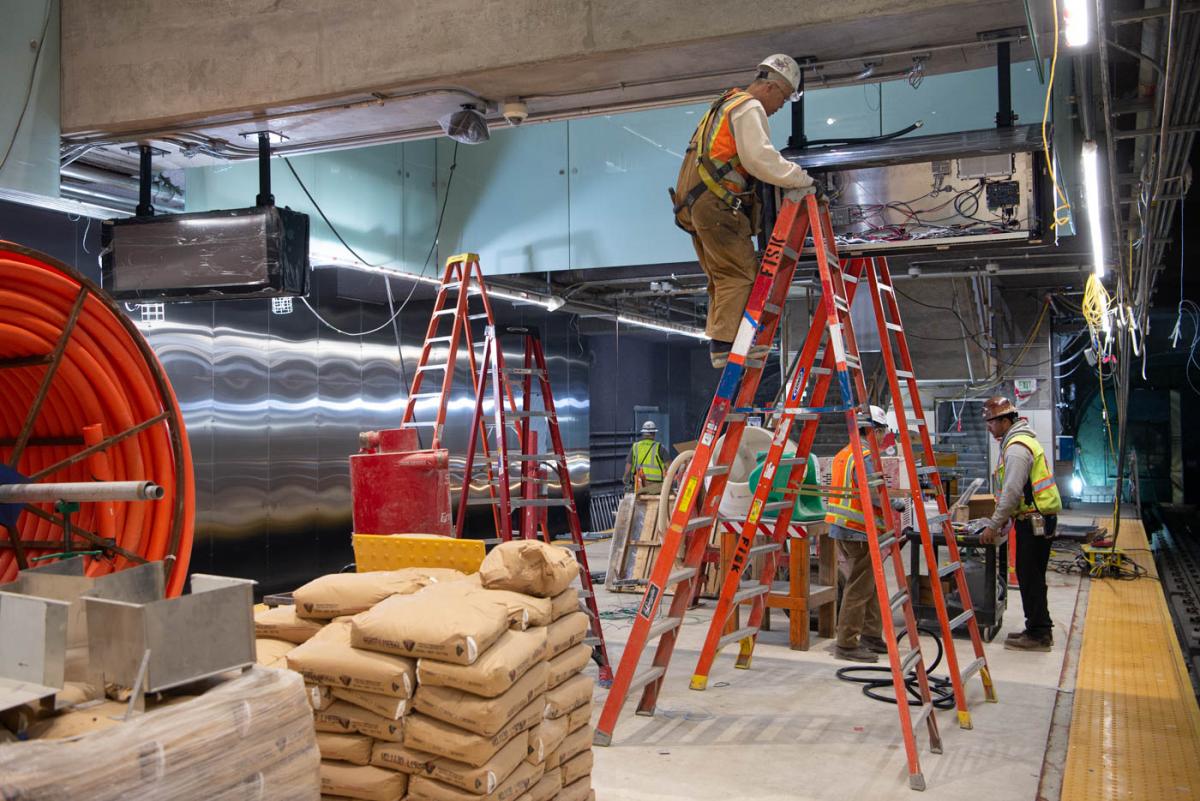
{"points": [[463, 279], [804, 401]]}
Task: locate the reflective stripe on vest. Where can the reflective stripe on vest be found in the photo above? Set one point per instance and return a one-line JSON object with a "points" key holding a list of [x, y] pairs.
{"points": [[716, 149], [646, 458], [846, 510], [1046, 499]]}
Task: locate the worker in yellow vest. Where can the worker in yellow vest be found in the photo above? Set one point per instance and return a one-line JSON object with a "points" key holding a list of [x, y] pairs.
{"points": [[1025, 491], [646, 462], [859, 624], [716, 198]]}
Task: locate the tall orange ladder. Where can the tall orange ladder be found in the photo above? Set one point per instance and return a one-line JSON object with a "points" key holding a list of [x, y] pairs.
{"points": [[840, 358], [493, 371]]}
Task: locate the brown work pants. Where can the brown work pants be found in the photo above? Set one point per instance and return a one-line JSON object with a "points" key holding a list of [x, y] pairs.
{"points": [[722, 241], [859, 613]]}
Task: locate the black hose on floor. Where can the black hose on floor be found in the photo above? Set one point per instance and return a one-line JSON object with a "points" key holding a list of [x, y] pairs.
{"points": [[941, 691]]}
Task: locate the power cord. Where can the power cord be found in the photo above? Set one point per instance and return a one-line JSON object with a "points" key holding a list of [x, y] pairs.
{"points": [[941, 691]]}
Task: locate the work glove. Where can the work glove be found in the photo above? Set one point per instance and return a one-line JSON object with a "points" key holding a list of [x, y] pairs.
{"points": [[798, 194]]}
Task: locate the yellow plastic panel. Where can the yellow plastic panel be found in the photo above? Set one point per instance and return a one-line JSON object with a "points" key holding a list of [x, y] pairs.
{"points": [[392, 552]]}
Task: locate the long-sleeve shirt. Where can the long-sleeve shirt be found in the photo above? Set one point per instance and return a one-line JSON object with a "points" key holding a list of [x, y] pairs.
{"points": [[757, 154], [1018, 462]]}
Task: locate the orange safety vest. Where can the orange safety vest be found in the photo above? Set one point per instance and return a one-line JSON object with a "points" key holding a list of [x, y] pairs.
{"points": [[846, 510], [711, 156]]}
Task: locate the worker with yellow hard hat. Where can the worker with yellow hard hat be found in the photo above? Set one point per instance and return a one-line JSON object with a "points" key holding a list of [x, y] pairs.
{"points": [[1026, 494], [716, 199]]}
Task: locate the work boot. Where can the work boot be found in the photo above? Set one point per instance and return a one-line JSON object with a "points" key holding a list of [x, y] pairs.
{"points": [[718, 353], [758, 352], [1016, 635], [1025, 642], [875, 645], [856, 654]]}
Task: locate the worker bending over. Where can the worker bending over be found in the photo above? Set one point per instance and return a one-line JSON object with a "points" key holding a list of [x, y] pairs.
{"points": [[646, 463], [859, 626], [1025, 491], [716, 197]]}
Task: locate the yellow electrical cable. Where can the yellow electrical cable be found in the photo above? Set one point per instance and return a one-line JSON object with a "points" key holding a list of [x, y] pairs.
{"points": [[1062, 203]]}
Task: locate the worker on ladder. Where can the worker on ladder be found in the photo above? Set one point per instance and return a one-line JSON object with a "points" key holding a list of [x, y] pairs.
{"points": [[646, 462], [1026, 493], [716, 198], [859, 625]]}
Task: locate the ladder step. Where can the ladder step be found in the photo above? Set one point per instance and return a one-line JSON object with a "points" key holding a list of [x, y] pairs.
{"points": [[840, 304], [772, 308], [946, 570], [787, 460], [717, 470], [745, 592], [698, 522], [492, 541], [530, 413], [523, 371], [541, 502], [886, 287], [963, 618], [542, 482], [419, 424], [904, 374], [899, 598], [734, 636], [648, 675], [754, 364], [909, 660], [591, 641], [973, 668], [444, 312], [425, 395], [568, 545], [759, 550], [927, 471], [536, 457], [662, 626], [682, 574], [887, 542], [775, 506], [425, 367], [926, 710], [894, 327], [447, 338], [585, 593], [480, 316], [821, 371], [483, 502]]}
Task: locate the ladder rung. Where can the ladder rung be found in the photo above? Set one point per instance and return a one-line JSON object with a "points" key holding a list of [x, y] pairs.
{"points": [[754, 364], [483, 502], [492, 541], [585, 593], [698, 522], [821, 371], [947, 569], [735, 417], [758, 550], [926, 709], [717, 470], [524, 371], [896, 600], [887, 542], [447, 338], [963, 618], [648, 675], [592, 641], [480, 316], [536, 457], [682, 574], [745, 593], [905, 374], [886, 287], [918, 422], [787, 460], [425, 395], [927, 471], [853, 361], [909, 660], [775, 506], [849, 279], [840, 304], [529, 413], [517, 502], [662, 626], [567, 545], [419, 424], [443, 312], [894, 327], [973, 668], [425, 367], [772, 308], [734, 636], [832, 257], [796, 414]]}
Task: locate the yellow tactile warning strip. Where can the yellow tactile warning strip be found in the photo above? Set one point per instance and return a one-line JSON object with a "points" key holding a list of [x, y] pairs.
{"points": [[1135, 725]]}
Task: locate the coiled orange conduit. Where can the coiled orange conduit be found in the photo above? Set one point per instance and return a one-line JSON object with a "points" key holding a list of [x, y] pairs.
{"points": [[107, 377]]}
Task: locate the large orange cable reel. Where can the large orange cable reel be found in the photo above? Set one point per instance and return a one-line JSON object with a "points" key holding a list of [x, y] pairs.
{"points": [[103, 410]]}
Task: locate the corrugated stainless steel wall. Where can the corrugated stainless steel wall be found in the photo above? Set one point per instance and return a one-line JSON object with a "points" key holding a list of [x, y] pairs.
{"points": [[274, 404]]}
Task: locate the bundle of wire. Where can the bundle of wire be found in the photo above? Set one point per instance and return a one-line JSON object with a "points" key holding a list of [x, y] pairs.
{"points": [[877, 681], [107, 382]]}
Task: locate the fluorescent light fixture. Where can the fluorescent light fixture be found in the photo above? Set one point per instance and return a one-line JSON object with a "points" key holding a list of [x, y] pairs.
{"points": [[670, 328], [1075, 20], [1091, 188]]}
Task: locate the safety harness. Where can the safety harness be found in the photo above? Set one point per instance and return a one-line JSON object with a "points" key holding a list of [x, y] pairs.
{"points": [[713, 171]]}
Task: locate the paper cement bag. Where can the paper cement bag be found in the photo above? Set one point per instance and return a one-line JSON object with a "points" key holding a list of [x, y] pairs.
{"points": [[282, 623], [524, 611], [343, 718], [564, 603], [545, 738], [365, 782], [570, 695], [493, 672], [576, 742], [484, 779], [567, 664], [350, 593], [388, 706], [579, 790], [400, 757], [481, 715], [567, 631], [577, 767], [320, 696], [580, 716], [443, 622], [438, 737], [546, 789], [424, 788], [529, 567], [352, 748], [270, 652], [328, 658]]}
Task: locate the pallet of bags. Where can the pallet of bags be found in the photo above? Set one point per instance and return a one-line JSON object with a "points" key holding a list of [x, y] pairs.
{"points": [[247, 737]]}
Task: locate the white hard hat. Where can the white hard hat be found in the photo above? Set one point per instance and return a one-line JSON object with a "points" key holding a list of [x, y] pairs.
{"points": [[785, 67], [879, 417], [648, 427]]}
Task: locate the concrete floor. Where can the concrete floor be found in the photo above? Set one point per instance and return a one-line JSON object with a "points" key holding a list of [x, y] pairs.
{"points": [[789, 729]]}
